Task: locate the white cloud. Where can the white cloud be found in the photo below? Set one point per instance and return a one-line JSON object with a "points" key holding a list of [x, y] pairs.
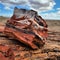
{"points": [[42, 5], [52, 15], [12, 3], [5, 15], [58, 12], [58, 8], [39, 5], [7, 8]]}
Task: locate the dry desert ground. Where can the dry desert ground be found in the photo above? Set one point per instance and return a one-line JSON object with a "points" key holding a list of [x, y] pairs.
{"points": [[50, 51]]}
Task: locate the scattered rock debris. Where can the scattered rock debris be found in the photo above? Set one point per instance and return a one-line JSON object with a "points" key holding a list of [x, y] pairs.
{"points": [[13, 50]]}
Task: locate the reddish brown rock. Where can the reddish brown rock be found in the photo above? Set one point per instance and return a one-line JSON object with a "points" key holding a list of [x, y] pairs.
{"points": [[2, 57], [27, 27]]}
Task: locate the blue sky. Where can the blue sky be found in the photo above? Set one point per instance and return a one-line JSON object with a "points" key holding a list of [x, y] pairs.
{"points": [[48, 9]]}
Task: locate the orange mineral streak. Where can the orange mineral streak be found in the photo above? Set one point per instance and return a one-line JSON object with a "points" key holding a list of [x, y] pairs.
{"points": [[43, 34], [1, 28], [6, 52]]}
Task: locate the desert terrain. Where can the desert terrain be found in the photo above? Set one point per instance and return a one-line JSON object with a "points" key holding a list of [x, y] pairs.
{"points": [[50, 51]]}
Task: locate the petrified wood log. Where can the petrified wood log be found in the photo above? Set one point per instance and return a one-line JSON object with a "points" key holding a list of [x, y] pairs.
{"points": [[27, 27]]}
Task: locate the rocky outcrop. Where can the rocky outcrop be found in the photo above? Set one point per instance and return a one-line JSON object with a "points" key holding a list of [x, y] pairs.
{"points": [[16, 51]]}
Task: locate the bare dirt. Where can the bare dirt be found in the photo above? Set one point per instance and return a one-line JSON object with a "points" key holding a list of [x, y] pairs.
{"points": [[50, 51]]}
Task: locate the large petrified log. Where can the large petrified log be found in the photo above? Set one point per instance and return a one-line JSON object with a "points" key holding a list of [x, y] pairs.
{"points": [[27, 27]]}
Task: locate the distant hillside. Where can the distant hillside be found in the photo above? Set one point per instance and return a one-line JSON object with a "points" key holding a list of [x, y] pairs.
{"points": [[3, 19], [53, 22]]}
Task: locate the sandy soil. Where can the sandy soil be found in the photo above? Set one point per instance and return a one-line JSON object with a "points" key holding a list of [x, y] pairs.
{"points": [[50, 51]]}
